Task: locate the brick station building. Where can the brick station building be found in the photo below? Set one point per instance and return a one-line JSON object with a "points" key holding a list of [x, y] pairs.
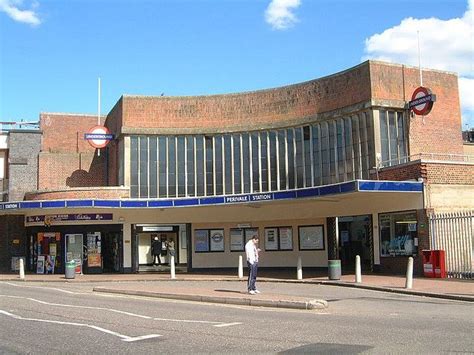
{"points": [[323, 170]]}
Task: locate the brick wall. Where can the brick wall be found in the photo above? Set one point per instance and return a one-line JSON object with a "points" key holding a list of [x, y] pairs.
{"points": [[64, 133], [439, 131], [432, 173], [23, 163], [455, 174], [251, 109], [78, 193], [58, 170], [11, 229], [409, 171], [66, 159]]}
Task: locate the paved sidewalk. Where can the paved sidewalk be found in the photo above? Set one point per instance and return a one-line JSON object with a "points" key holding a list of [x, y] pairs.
{"points": [[117, 283]]}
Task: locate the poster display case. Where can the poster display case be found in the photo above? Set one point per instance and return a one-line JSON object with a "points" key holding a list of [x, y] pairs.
{"points": [[311, 237]]}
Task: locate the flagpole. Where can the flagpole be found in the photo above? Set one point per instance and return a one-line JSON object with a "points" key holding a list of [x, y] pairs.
{"points": [[98, 109], [419, 59]]}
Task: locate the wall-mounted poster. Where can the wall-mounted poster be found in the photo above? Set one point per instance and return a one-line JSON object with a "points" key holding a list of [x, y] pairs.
{"points": [[49, 264], [311, 237], [52, 249], [40, 264], [217, 240], [286, 238], [182, 241], [249, 233], [271, 238], [201, 240], [236, 239]]}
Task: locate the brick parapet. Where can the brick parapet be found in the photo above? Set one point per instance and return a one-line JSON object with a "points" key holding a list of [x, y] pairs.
{"points": [[261, 108], [80, 193], [451, 173]]}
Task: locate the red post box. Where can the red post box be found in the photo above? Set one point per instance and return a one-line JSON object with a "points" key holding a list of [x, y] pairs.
{"points": [[428, 267], [439, 263]]}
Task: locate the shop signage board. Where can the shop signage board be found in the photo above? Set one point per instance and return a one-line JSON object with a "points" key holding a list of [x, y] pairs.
{"points": [[70, 217]]}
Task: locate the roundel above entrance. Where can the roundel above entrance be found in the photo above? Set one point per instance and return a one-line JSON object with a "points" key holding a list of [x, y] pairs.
{"points": [[422, 101], [98, 136]]}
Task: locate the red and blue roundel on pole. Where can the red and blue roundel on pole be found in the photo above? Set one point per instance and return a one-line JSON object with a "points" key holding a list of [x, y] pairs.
{"points": [[98, 136], [422, 101]]}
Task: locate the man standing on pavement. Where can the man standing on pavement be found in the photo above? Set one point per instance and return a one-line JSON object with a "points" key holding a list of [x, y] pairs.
{"points": [[252, 251]]}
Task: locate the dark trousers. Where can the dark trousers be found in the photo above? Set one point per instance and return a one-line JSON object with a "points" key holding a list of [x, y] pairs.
{"points": [[156, 256], [252, 276]]}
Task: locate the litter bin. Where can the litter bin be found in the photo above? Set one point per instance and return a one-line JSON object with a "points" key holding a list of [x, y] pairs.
{"points": [[428, 269], [70, 270], [334, 269], [439, 263]]}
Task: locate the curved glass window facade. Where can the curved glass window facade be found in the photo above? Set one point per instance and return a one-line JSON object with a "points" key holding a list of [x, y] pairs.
{"points": [[260, 161]]}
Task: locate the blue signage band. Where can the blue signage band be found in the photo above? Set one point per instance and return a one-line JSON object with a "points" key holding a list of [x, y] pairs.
{"points": [[336, 189]]}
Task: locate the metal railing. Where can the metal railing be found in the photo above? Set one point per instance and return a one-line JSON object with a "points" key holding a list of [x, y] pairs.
{"points": [[453, 232]]}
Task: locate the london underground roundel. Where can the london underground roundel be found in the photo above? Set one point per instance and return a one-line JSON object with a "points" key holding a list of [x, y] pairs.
{"points": [[422, 101], [98, 136]]}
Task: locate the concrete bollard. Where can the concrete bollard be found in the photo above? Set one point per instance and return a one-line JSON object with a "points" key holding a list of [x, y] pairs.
{"points": [[241, 268], [172, 267], [358, 273], [22, 269], [299, 270], [409, 281]]}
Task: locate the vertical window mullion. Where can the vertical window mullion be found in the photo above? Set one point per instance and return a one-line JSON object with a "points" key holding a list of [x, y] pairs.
{"points": [[185, 166], [139, 167], [195, 166], [167, 166], [295, 163], [268, 163], [277, 152], [259, 162], [286, 160], [251, 161], [224, 180], [176, 166], [320, 154], [204, 148], [232, 164], [214, 165], [303, 157], [311, 154], [242, 189]]}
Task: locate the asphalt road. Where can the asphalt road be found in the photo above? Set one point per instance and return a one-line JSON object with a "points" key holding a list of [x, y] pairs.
{"points": [[61, 318]]}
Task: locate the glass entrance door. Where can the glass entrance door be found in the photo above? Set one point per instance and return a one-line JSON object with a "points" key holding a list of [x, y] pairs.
{"points": [[74, 250], [355, 239]]}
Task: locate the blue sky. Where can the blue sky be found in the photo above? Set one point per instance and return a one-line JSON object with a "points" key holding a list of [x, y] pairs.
{"points": [[52, 52]]}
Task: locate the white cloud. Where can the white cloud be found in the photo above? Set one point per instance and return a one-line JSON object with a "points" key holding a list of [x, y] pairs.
{"points": [[444, 44], [279, 13], [12, 9]]}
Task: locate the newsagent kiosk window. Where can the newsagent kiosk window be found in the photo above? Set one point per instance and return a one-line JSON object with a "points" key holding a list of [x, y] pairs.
{"points": [[398, 233]]}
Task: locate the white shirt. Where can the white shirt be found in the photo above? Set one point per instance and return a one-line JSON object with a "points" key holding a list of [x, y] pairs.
{"points": [[251, 251]]}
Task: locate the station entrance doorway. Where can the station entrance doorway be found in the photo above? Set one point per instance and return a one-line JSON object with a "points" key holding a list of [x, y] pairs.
{"points": [[355, 238], [154, 244]]}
